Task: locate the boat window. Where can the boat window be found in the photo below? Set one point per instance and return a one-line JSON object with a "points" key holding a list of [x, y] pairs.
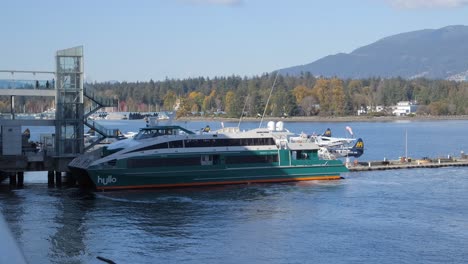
{"points": [[218, 143], [216, 159], [257, 141], [170, 132], [146, 133], [247, 141], [302, 155], [213, 142], [176, 144], [163, 162], [206, 160], [149, 133], [199, 143], [251, 159], [157, 146], [228, 142]]}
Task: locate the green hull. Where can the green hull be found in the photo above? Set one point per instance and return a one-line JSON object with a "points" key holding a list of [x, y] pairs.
{"points": [[218, 166], [211, 175]]}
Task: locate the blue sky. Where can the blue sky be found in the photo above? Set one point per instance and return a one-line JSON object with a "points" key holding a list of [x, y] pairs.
{"points": [[154, 39]]}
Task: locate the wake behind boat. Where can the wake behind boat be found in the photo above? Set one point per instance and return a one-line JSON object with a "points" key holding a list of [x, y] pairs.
{"points": [[172, 156]]}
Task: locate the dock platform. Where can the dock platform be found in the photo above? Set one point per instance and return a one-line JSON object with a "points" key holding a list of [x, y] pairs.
{"points": [[395, 165]]}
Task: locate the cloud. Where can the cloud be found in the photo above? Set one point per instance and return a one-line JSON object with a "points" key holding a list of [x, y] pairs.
{"points": [[411, 4], [215, 2]]}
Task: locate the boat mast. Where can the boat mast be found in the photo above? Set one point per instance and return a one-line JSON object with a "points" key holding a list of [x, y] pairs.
{"points": [[243, 110], [406, 144], [268, 100]]}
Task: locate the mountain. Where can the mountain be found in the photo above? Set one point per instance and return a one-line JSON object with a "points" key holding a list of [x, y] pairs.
{"points": [[431, 53]]}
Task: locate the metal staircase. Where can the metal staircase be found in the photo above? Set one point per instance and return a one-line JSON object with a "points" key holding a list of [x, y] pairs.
{"points": [[96, 104]]}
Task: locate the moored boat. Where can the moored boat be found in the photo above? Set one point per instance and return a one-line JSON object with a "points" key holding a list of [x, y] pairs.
{"points": [[171, 156]]}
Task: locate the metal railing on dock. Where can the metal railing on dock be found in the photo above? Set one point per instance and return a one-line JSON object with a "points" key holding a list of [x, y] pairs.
{"points": [[89, 93], [99, 102]]}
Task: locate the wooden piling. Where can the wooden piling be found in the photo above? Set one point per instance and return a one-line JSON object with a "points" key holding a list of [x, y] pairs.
{"points": [[58, 179], [20, 176], [50, 178], [12, 179]]}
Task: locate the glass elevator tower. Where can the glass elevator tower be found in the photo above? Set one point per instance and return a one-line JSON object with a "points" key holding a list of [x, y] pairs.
{"points": [[69, 129]]}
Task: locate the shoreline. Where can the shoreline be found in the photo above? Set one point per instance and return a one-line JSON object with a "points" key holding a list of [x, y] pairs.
{"points": [[331, 119]]}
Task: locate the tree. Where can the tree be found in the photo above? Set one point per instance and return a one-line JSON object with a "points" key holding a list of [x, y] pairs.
{"points": [[194, 100], [283, 103], [209, 101], [184, 108], [255, 104], [300, 92], [309, 106], [338, 97], [438, 108], [322, 93], [169, 100], [232, 105], [355, 86]]}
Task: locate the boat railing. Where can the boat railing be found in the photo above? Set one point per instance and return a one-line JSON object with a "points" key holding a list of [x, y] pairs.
{"points": [[108, 132], [228, 130]]}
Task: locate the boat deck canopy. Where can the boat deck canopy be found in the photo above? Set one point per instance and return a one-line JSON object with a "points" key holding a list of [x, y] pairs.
{"points": [[303, 146]]}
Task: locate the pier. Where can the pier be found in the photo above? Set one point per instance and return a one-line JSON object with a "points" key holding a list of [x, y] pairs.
{"points": [[409, 164], [56, 150], [53, 152]]}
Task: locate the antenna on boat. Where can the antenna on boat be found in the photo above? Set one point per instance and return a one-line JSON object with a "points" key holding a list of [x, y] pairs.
{"points": [[268, 100], [242, 114]]}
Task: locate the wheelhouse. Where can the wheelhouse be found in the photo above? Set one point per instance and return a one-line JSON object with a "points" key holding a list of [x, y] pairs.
{"points": [[155, 131]]}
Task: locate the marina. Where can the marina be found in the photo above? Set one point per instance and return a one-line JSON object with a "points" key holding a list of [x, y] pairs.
{"points": [[378, 216], [285, 157], [71, 224], [228, 156], [354, 166], [37, 160], [234, 131], [54, 179]]}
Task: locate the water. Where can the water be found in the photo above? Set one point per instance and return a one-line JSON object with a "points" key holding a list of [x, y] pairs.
{"points": [[401, 216]]}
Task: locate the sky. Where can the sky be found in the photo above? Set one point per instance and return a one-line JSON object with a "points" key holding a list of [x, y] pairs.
{"points": [[139, 40]]}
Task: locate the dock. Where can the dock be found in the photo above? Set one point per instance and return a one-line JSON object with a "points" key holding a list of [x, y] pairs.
{"points": [[404, 164], [54, 151]]}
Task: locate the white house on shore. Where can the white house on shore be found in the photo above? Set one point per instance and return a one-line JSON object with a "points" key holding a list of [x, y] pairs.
{"points": [[404, 108], [370, 109]]}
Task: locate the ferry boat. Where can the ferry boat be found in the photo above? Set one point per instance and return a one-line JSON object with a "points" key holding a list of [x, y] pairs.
{"points": [[172, 156]]}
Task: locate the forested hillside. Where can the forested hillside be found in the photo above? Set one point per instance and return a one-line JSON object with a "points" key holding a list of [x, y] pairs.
{"points": [[304, 95]]}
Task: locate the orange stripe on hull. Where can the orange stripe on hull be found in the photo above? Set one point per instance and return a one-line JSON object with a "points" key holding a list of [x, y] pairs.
{"points": [[217, 183]]}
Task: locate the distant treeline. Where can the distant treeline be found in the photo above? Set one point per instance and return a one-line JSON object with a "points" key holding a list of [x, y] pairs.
{"points": [[304, 95]]}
